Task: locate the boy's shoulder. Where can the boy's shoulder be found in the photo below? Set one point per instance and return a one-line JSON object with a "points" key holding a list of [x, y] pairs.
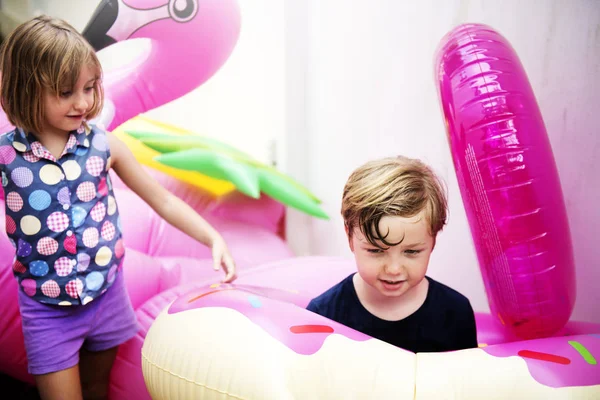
{"points": [[446, 297], [331, 295], [448, 320]]}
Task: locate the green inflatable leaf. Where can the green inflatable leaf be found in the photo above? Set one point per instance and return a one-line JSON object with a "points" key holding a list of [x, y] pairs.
{"points": [[222, 161], [166, 143], [279, 188], [216, 166]]}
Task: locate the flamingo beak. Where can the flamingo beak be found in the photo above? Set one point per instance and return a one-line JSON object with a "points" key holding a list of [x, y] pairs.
{"points": [[101, 21]]}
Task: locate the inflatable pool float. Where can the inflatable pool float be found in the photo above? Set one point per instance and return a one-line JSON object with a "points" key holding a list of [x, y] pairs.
{"points": [[255, 340]]}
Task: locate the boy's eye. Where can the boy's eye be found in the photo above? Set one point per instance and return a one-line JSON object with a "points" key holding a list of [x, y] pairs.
{"points": [[412, 252], [375, 251]]}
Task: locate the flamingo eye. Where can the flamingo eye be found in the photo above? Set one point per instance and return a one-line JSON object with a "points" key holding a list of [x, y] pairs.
{"points": [[183, 10]]}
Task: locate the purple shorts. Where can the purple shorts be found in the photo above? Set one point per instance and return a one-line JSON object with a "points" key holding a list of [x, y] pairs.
{"points": [[55, 334]]}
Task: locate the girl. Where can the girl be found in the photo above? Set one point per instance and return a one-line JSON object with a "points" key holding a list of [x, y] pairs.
{"points": [[61, 212]]}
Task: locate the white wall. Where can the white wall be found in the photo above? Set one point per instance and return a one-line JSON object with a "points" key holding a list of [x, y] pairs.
{"points": [[14, 12], [367, 71]]}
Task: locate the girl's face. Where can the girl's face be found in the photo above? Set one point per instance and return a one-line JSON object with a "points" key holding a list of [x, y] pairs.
{"points": [[67, 111]]}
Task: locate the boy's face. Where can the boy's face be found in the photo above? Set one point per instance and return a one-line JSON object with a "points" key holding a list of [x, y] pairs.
{"points": [[395, 270]]}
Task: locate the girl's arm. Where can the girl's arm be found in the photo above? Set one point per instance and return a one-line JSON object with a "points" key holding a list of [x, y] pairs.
{"points": [[170, 207]]}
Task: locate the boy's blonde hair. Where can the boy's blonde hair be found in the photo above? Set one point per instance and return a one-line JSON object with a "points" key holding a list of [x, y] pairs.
{"points": [[43, 55], [393, 186]]}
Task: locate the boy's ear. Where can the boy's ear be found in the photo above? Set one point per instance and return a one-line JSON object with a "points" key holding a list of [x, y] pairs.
{"points": [[349, 236]]}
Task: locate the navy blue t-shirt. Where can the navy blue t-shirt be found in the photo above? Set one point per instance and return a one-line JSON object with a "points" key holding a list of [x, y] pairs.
{"points": [[444, 322]]}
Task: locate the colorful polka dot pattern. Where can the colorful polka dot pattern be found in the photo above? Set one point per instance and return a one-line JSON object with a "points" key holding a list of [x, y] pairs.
{"points": [[62, 216]]}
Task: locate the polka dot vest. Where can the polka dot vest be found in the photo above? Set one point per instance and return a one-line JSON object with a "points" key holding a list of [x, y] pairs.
{"points": [[61, 216]]}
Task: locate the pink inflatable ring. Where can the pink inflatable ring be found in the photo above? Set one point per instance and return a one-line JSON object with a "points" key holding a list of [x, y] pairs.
{"points": [[508, 181]]}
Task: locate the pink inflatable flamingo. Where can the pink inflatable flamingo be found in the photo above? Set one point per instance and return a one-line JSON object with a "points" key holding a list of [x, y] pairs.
{"points": [[189, 41]]}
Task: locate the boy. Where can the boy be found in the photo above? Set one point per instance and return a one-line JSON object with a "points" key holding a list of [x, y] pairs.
{"points": [[393, 209]]}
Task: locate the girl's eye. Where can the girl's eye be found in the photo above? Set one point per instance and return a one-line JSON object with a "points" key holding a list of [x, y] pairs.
{"points": [[89, 89], [66, 93]]}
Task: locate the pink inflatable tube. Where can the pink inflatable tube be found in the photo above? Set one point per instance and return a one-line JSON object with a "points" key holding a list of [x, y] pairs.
{"points": [[254, 339], [508, 181]]}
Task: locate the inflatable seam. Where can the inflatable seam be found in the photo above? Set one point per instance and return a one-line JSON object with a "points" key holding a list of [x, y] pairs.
{"points": [[146, 359]]}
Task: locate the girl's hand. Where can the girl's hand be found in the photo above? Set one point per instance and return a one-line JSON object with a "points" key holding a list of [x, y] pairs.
{"points": [[221, 257], [175, 211]]}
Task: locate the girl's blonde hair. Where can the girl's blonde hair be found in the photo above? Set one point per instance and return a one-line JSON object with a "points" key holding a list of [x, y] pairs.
{"points": [[43, 55], [393, 186]]}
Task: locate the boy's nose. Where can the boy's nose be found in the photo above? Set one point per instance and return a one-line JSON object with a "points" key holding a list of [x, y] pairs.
{"points": [[394, 268]]}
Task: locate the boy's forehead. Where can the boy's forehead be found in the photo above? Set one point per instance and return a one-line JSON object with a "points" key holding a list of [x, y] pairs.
{"points": [[408, 230]]}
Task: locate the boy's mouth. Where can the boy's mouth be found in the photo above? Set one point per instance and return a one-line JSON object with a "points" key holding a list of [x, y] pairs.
{"points": [[391, 282]]}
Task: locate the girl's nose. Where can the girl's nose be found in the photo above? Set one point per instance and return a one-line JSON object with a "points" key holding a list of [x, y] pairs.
{"points": [[81, 103]]}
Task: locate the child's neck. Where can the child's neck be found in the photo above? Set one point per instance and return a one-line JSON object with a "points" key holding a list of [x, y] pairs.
{"points": [[390, 308], [54, 142]]}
